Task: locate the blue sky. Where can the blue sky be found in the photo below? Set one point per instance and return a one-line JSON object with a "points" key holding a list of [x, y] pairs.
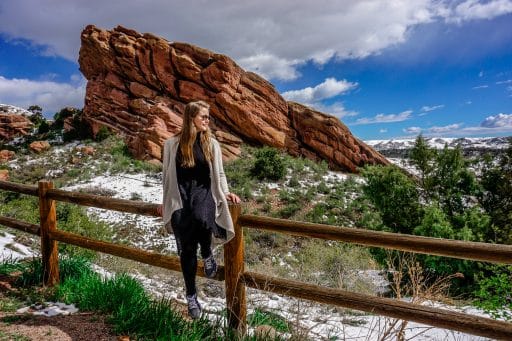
{"points": [[387, 69]]}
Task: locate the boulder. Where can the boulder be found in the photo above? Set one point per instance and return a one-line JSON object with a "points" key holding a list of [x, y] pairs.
{"points": [[6, 155], [39, 146], [138, 85], [87, 150], [13, 125], [4, 175]]}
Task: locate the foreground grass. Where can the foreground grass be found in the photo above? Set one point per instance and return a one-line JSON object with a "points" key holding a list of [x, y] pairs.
{"points": [[130, 310]]}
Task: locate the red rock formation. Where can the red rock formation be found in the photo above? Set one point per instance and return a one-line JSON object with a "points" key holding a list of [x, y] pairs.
{"points": [[138, 85], [13, 125], [6, 155], [39, 146], [4, 175], [325, 137], [87, 150]]}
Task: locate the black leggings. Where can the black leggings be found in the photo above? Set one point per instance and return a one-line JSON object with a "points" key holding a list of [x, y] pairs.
{"points": [[189, 233]]}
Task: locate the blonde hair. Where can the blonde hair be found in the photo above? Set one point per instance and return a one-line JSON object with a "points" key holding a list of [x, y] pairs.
{"points": [[189, 133]]}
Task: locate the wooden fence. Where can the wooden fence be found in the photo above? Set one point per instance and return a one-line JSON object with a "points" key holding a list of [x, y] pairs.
{"points": [[237, 279]]}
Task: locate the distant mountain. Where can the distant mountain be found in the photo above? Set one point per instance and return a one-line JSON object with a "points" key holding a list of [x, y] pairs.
{"points": [[471, 146], [11, 109]]}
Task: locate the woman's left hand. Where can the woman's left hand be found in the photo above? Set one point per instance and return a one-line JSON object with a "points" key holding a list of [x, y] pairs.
{"points": [[233, 198]]}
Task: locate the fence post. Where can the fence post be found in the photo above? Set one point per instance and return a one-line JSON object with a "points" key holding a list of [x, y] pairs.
{"points": [[234, 269], [48, 221]]}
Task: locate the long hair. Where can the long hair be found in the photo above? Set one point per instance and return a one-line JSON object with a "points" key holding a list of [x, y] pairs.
{"points": [[189, 133]]}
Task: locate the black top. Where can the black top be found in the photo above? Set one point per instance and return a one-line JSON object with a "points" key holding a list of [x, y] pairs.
{"points": [[195, 190], [197, 175]]}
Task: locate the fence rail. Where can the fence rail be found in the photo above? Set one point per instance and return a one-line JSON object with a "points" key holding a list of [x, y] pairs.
{"points": [[235, 276], [495, 253]]}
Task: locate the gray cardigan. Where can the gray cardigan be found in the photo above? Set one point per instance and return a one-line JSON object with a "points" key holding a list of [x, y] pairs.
{"points": [[219, 186]]}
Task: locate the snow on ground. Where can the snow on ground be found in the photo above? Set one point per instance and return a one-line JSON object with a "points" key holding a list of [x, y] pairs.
{"points": [[131, 187], [10, 249]]}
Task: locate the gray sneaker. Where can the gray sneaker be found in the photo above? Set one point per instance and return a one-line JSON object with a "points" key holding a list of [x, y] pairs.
{"points": [[194, 308], [210, 267]]}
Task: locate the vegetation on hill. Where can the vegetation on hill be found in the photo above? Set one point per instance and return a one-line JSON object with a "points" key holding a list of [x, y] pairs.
{"points": [[447, 199]]}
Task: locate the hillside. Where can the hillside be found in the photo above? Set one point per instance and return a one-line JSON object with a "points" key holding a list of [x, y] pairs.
{"points": [[308, 192]]}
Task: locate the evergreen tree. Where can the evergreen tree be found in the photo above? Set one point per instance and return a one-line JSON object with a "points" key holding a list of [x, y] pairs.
{"points": [[423, 158], [496, 197], [395, 195], [453, 184], [37, 114]]}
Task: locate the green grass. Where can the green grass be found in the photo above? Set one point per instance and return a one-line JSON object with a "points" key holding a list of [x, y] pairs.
{"points": [[130, 309], [262, 317]]}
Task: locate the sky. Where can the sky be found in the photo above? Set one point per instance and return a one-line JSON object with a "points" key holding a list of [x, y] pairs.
{"points": [[386, 68]]}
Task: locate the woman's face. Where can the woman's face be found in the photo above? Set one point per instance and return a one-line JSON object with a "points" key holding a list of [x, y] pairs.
{"points": [[202, 120]]}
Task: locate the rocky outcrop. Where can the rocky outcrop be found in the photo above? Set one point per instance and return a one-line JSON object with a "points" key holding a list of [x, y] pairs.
{"points": [[325, 137], [13, 125], [138, 85], [87, 150], [6, 155], [39, 146], [4, 175]]}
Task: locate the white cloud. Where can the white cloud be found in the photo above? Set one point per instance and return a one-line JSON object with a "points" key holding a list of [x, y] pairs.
{"points": [[51, 96], [444, 129], [271, 67], [313, 96], [413, 130], [508, 81], [336, 109], [382, 118], [427, 108], [474, 9], [271, 37], [492, 125], [328, 89], [499, 121], [480, 87]]}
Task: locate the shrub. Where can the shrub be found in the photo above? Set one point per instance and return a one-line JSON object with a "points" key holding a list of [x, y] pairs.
{"points": [[494, 294], [289, 210], [269, 164], [44, 127], [238, 173], [102, 134], [322, 188], [294, 181], [395, 195]]}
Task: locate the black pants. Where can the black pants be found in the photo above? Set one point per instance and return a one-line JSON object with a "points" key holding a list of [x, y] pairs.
{"points": [[189, 233]]}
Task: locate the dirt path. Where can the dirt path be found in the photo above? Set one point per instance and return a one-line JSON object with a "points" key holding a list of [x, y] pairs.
{"points": [[79, 326]]}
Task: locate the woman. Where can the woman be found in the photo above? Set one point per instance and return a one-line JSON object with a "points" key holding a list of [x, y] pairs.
{"points": [[195, 194]]}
